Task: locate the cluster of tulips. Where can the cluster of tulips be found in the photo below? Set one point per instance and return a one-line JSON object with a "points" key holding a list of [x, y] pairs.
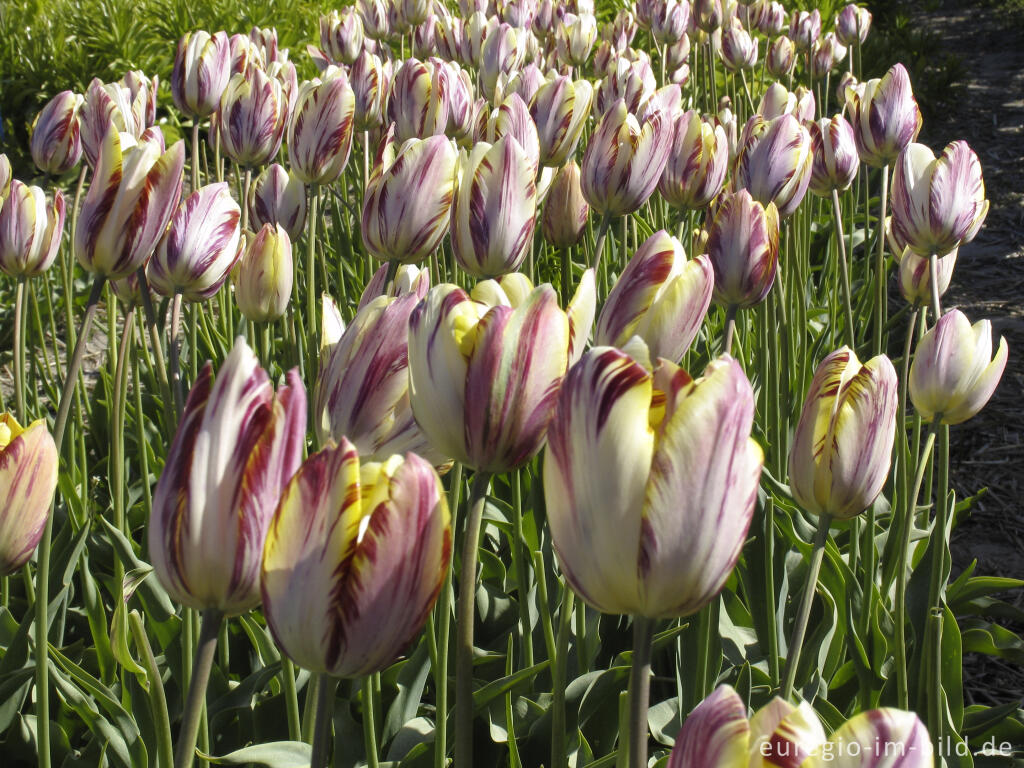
{"points": [[443, 350]]}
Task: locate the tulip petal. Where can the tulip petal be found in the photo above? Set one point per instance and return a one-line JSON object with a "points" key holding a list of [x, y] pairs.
{"points": [[716, 733], [879, 738]]}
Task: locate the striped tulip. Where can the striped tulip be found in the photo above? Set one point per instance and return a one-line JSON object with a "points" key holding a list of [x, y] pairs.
{"points": [[245, 55], [565, 210], [138, 82], [56, 143], [697, 163], [277, 197], [264, 275], [774, 162], [341, 35], [739, 48], [458, 104], [502, 54], [631, 81], [575, 39], [408, 278], [418, 103], [320, 133], [560, 110], [670, 20], [30, 230], [518, 13], [878, 738], [834, 160], [370, 87], [109, 106], [743, 245], [354, 560], [842, 448], [953, 373], [707, 15], [781, 57], [512, 118], [853, 24], [252, 119], [938, 203], [196, 254], [475, 30], [494, 209], [827, 54], [624, 160], [5, 177], [526, 82], [650, 481], [483, 380], [28, 481], [202, 66], [774, 20], [915, 271], [660, 297], [236, 447], [805, 29], [134, 192], [884, 115]]}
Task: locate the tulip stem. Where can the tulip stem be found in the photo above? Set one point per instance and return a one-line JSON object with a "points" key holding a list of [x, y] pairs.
{"points": [[157, 697], [19, 351], [209, 629], [730, 327], [800, 628], [640, 690], [314, 199], [154, 338], [558, 675], [175, 354], [466, 612], [369, 726], [933, 275], [602, 233], [880, 263], [324, 713], [43, 571], [844, 269], [195, 154], [246, 186], [443, 610]]}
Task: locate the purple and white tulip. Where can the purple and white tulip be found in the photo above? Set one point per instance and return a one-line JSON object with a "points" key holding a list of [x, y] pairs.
{"points": [[853, 24], [884, 115], [418, 104], [834, 159], [28, 481], [30, 230], [252, 119], [565, 209], [56, 143], [697, 162], [781, 57], [320, 133], [109, 106], [202, 66], [560, 110], [774, 162], [743, 245], [341, 35], [264, 275]]}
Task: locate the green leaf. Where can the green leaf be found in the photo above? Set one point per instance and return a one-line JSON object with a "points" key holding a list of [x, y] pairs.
{"points": [[275, 754]]}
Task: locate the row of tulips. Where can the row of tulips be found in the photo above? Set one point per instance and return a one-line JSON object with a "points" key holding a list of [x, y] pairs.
{"points": [[654, 494]]}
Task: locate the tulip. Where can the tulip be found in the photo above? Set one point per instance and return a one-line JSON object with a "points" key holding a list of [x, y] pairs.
{"points": [[374, 15], [474, 33], [774, 162], [847, 84], [277, 197], [670, 20], [142, 86], [202, 66], [884, 115], [707, 15], [408, 199], [5, 177], [856, 743], [265, 41], [937, 203], [743, 246], [780, 57], [458, 104], [501, 54], [739, 49], [834, 160], [575, 39], [106, 106], [526, 82], [842, 447], [30, 230], [417, 105], [805, 29], [826, 55], [697, 163], [370, 86], [853, 24], [953, 373], [774, 20], [252, 119], [624, 160], [341, 35], [320, 133], [28, 481], [196, 254], [245, 55], [776, 101], [915, 271], [513, 119], [408, 278], [560, 110], [133, 194], [660, 297], [56, 143], [264, 274], [631, 81], [565, 211], [354, 559]]}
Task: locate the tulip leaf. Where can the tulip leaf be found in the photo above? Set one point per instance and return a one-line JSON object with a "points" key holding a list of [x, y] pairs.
{"points": [[487, 693], [994, 640], [154, 598], [665, 720], [410, 683], [274, 754], [14, 688]]}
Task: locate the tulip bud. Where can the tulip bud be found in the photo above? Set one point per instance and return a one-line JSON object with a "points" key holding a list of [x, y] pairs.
{"points": [[408, 199], [707, 15], [56, 143], [915, 270], [266, 41], [697, 163], [826, 55], [277, 197], [805, 29], [953, 373], [252, 119], [354, 560], [501, 54], [774, 162], [846, 82], [106, 106], [341, 35], [650, 482], [884, 115], [264, 274], [631, 81], [134, 192], [774, 20], [834, 162], [517, 13], [513, 119], [938, 203], [28, 481], [560, 110], [457, 105], [374, 15], [408, 278], [565, 211], [418, 104], [236, 447], [30, 230], [320, 133], [743, 245], [575, 39], [245, 55], [369, 86], [739, 49], [670, 20], [5, 177], [853, 24], [202, 66], [780, 57]]}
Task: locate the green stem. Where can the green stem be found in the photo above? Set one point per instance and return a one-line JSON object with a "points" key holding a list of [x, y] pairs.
{"points": [[444, 622], [933, 275], [730, 326], [246, 185], [324, 713], [195, 154], [558, 675], [880, 263], [19, 351], [942, 511], [844, 267], [800, 628], [154, 339], [291, 699], [185, 750], [175, 350], [311, 327], [640, 690], [519, 566], [157, 698], [369, 728], [769, 582], [602, 233]]}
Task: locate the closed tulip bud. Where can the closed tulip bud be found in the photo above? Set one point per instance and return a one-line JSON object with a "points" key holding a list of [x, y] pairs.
{"points": [[134, 192], [423, 38], [106, 106], [5, 177], [277, 197], [418, 105], [320, 133], [697, 163], [236, 447], [202, 66], [660, 297], [624, 160], [374, 15], [631, 81], [853, 24], [518, 13], [953, 373], [884, 115], [370, 87], [474, 32], [413, 12], [502, 53], [650, 481], [526, 82], [678, 53], [622, 29], [354, 560], [780, 57], [805, 105], [739, 49], [138, 82], [915, 270], [560, 110], [826, 55], [408, 199], [544, 22], [707, 15], [252, 119], [472, 392], [847, 82], [938, 203], [264, 274], [448, 31], [513, 119], [341, 35], [774, 162], [670, 20], [743, 245], [805, 29], [458, 104], [265, 39], [777, 101], [774, 20], [28, 481], [834, 162], [575, 39], [565, 211], [727, 120], [30, 230], [842, 448], [56, 143]]}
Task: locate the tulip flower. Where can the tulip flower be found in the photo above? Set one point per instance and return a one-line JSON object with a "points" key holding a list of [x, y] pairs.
{"points": [[565, 211], [697, 163], [660, 297], [842, 447], [915, 270], [739, 49], [244, 54], [408, 199], [512, 118], [805, 29], [199, 249], [826, 55], [834, 160], [252, 119], [56, 143], [277, 197], [418, 104], [202, 66], [408, 278], [631, 81], [374, 15], [133, 194], [30, 230], [774, 162], [320, 133], [781, 57], [575, 39], [341, 35], [743, 246], [370, 86], [106, 106], [526, 82], [953, 373], [707, 15], [938, 203], [458, 104], [5, 177], [853, 24], [28, 481], [264, 274], [774, 21], [884, 115], [670, 20], [502, 53], [355, 559], [560, 110]]}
